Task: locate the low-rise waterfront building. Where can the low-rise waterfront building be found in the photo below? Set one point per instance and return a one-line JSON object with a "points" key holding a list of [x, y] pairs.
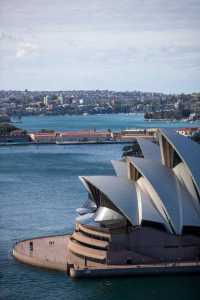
{"points": [[188, 131], [84, 136], [70, 136], [43, 137], [133, 133]]}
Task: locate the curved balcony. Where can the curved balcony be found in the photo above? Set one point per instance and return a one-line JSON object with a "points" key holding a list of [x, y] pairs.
{"points": [[94, 232], [82, 238], [85, 251]]}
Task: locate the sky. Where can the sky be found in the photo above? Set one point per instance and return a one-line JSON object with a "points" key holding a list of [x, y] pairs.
{"points": [[147, 45]]}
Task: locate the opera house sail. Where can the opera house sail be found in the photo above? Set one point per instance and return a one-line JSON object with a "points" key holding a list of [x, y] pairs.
{"points": [[143, 219]]}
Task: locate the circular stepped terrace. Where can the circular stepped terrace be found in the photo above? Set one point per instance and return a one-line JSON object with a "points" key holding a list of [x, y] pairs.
{"points": [[89, 243], [94, 232], [82, 238]]}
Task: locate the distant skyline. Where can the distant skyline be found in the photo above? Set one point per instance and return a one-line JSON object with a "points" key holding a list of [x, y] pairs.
{"points": [[147, 45]]}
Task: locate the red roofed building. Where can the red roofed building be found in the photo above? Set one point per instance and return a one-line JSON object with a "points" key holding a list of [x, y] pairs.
{"points": [[43, 137], [70, 136], [85, 135], [188, 131]]}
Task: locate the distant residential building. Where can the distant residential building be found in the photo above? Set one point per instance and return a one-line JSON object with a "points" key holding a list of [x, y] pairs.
{"points": [[188, 131], [46, 100], [61, 100], [128, 133]]}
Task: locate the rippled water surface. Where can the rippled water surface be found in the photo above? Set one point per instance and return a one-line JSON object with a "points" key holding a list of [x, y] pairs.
{"points": [[39, 191], [100, 122]]}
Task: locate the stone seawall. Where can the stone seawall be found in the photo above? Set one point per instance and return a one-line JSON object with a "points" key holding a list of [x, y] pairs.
{"points": [[140, 270]]}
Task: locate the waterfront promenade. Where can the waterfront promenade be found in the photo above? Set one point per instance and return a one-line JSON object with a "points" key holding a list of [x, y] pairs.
{"points": [[127, 141], [47, 252]]}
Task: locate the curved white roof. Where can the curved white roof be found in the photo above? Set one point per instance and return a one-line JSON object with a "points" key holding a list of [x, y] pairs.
{"points": [[148, 210], [169, 196], [158, 193], [188, 150], [149, 149], [182, 174], [120, 167], [120, 191], [137, 208], [105, 214]]}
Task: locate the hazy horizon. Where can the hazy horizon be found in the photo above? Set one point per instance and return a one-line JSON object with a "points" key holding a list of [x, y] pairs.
{"points": [[93, 90], [143, 45]]}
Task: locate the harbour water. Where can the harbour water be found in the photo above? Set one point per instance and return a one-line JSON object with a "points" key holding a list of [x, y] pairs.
{"points": [[39, 192], [99, 122]]}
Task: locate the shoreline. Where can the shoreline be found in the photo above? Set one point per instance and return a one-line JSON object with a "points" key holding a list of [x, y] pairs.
{"points": [[72, 143]]}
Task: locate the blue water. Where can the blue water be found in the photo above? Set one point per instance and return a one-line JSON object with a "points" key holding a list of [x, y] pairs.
{"points": [[100, 122], [39, 192]]}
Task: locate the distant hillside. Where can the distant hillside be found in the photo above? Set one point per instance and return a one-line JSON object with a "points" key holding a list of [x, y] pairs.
{"points": [[4, 118], [6, 128]]}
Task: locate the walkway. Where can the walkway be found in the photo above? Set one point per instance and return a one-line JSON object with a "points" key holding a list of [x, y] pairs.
{"points": [[48, 252]]}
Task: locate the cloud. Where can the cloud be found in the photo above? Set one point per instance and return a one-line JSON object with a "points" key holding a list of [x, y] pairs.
{"points": [[4, 36], [26, 49], [106, 39], [16, 45]]}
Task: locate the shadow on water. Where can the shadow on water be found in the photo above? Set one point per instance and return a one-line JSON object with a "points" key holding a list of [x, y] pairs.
{"points": [[145, 287]]}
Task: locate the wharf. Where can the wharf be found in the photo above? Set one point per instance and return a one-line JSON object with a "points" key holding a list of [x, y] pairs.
{"points": [[130, 141]]}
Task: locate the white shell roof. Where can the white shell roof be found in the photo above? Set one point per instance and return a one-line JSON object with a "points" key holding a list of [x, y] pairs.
{"points": [[149, 149], [120, 191], [106, 214], [137, 208], [148, 209], [169, 196], [161, 184], [120, 167], [160, 194], [188, 150]]}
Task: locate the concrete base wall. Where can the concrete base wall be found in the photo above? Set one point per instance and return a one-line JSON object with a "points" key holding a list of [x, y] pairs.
{"points": [[139, 271], [152, 245]]}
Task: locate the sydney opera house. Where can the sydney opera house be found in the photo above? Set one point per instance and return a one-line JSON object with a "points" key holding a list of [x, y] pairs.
{"points": [[147, 214]]}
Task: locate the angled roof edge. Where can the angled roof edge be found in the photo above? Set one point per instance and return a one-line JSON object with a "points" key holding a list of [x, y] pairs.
{"points": [[120, 168], [164, 186], [120, 191], [188, 151], [149, 149]]}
